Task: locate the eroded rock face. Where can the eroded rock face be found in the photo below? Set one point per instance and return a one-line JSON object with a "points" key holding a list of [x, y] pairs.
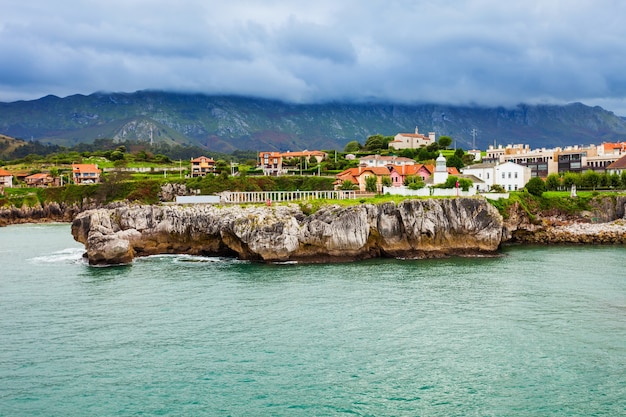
{"points": [[413, 228]]}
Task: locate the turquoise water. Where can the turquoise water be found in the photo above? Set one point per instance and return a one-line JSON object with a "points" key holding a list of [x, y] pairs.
{"points": [[536, 332]]}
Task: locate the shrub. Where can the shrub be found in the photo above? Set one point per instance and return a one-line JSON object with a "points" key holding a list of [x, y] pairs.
{"points": [[536, 186]]}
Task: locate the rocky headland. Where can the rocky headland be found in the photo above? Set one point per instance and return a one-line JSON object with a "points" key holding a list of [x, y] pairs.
{"points": [[421, 228], [413, 228]]}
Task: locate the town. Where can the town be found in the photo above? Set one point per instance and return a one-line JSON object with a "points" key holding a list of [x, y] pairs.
{"points": [[390, 170]]}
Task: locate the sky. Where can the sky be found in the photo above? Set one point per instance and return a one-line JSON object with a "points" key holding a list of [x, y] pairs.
{"points": [[472, 52]]}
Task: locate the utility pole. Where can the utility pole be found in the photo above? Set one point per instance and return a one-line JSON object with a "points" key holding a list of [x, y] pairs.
{"points": [[474, 131]]}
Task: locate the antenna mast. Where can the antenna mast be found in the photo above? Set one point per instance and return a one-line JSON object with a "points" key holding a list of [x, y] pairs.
{"points": [[474, 131]]}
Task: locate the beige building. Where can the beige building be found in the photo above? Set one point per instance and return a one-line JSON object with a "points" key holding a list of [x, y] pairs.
{"points": [[411, 140]]}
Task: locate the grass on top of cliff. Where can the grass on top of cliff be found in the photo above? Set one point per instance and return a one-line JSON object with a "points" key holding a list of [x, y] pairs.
{"points": [[311, 206], [550, 203]]}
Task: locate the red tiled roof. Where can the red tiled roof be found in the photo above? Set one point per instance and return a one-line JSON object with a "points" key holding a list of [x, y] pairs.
{"points": [[202, 159], [85, 168], [5, 173], [38, 175]]}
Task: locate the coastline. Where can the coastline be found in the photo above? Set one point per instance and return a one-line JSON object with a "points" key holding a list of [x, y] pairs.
{"points": [[332, 234]]}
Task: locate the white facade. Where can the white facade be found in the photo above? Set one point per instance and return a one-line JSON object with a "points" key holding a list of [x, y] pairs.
{"points": [[411, 140], [441, 171], [512, 176], [485, 172], [509, 175], [383, 161]]}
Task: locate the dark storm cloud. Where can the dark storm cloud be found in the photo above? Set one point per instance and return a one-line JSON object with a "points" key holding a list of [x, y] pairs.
{"points": [[475, 51]]}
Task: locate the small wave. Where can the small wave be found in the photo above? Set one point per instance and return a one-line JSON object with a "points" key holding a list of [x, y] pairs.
{"points": [[286, 263], [187, 259], [69, 255]]}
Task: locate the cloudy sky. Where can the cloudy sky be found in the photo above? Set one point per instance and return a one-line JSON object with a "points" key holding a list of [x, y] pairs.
{"points": [[485, 52]]}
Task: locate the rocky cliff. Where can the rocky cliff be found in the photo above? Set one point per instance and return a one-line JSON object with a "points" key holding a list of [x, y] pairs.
{"points": [[413, 228], [48, 212]]}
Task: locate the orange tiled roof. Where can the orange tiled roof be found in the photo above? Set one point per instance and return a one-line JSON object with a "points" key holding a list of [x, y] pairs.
{"points": [[5, 173], [39, 175], [408, 169], [202, 159], [453, 171], [85, 168]]}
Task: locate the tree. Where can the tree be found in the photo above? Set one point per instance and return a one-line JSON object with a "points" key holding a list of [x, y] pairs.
{"points": [[371, 184], [347, 186], [553, 182], [352, 147], [386, 181], [459, 152], [414, 182], [444, 142], [454, 161], [536, 186], [571, 178], [591, 179], [375, 143]]}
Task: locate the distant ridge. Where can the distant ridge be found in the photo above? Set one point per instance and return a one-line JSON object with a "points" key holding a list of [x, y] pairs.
{"points": [[227, 123]]}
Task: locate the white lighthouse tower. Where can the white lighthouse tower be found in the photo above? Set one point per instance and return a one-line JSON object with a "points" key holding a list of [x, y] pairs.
{"points": [[441, 172]]}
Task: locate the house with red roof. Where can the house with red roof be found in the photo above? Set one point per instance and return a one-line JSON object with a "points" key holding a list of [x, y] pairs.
{"points": [[618, 167], [358, 176], [6, 178], [412, 140], [41, 179], [201, 166], [399, 173], [85, 173]]}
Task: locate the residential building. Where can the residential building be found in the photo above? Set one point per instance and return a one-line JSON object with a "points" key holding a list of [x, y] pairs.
{"points": [[399, 173], [383, 161], [358, 176], [618, 167], [41, 179], [6, 178], [316, 156], [271, 162], [540, 161], [509, 175], [201, 166], [86, 173], [512, 176], [543, 162], [607, 153], [411, 140]]}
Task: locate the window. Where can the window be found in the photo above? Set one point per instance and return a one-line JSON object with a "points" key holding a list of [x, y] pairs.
{"points": [[503, 175], [516, 176], [487, 175], [509, 175]]}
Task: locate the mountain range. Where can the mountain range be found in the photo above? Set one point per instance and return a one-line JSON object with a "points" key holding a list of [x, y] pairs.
{"points": [[227, 123]]}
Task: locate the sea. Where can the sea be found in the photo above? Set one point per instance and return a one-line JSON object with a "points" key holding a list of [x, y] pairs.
{"points": [[535, 331]]}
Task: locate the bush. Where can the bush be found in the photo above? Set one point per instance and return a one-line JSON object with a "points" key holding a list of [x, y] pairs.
{"points": [[536, 186]]}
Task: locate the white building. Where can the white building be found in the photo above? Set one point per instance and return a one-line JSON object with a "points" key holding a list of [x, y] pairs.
{"points": [[412, 140], [440, 175], [509, 175], [383, 161]]}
